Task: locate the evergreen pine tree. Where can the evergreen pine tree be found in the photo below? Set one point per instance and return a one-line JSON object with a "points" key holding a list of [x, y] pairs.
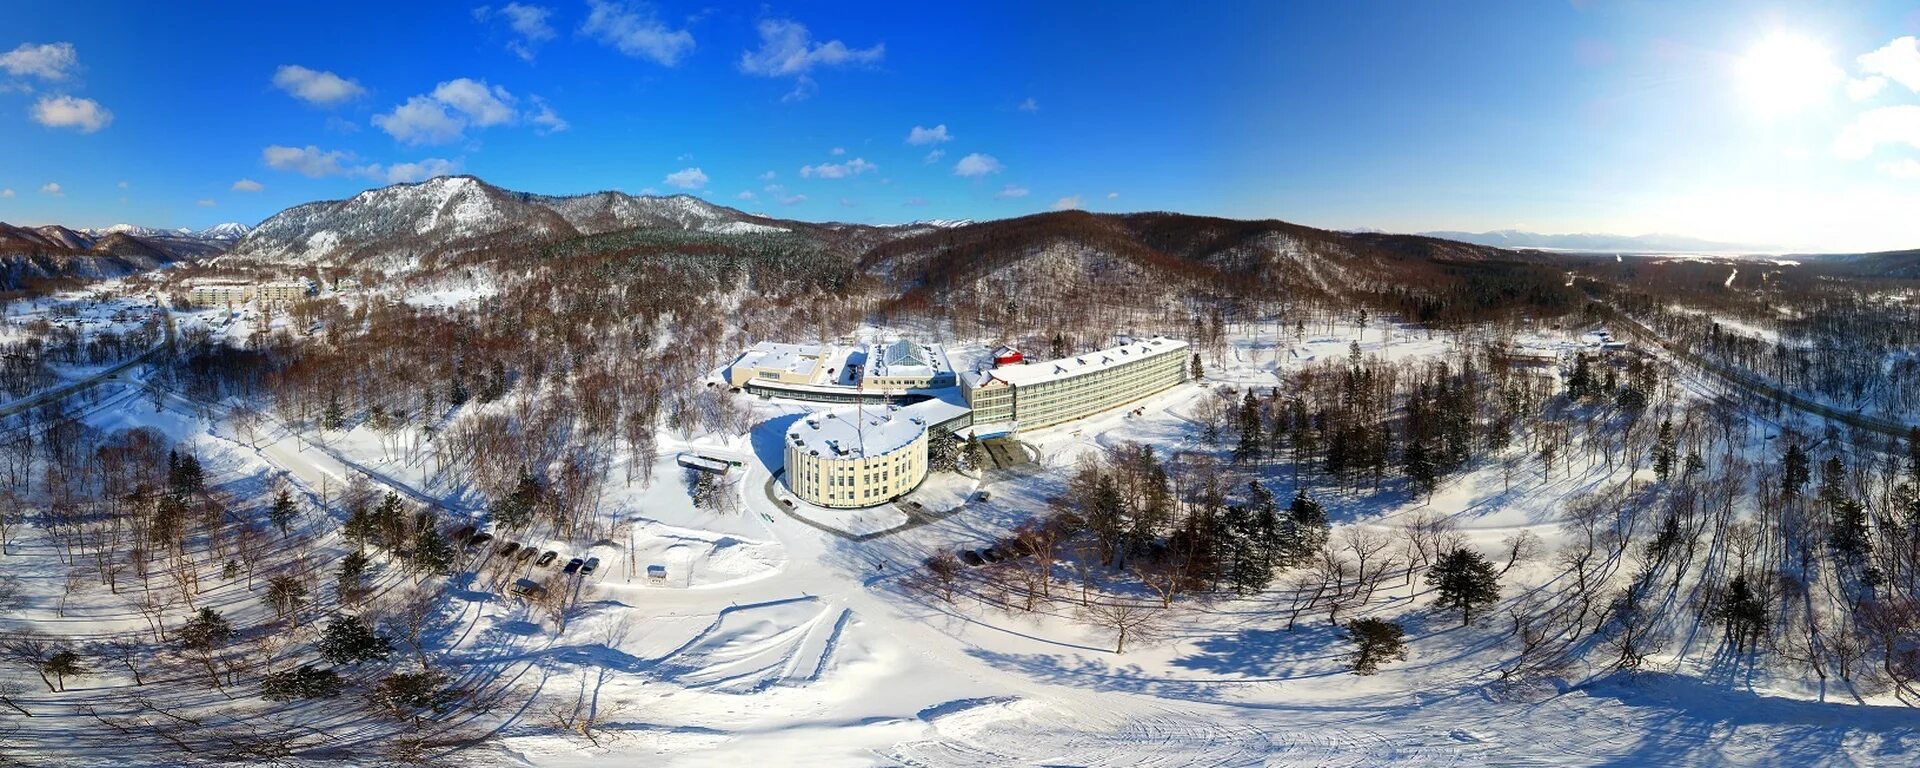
{"points": [[205, 631], [1375, 641], [1663, 451], [1194, 371], [282, 512], [1420, 467], [349, 640], [1250, 446], [1742, 614], [335, 416], [1795, 471], [1465, 580]]}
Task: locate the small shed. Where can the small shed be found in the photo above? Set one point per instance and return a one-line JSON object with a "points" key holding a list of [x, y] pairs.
{"points": [[657, 574]]}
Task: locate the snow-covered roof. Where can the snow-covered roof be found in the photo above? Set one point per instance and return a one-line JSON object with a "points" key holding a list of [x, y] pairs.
{"points": [[852, 433], [1069, 367], [944, 405], [801, 359], [905, 358]]}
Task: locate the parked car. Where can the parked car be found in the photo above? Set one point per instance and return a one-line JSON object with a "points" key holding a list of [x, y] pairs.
{"points": [[546, 559], [587, 568], [508, 549], [528, 588], [971, 557], [463, 533], [479, 539], [573, 566], [990, 554], [526, 553]]}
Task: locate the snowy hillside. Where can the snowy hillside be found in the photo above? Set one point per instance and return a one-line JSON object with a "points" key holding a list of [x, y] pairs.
{"points": [[454, 213]]}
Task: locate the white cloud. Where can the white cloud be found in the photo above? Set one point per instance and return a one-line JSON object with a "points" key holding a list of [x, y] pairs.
{"points": [[852, 167], [787, 49], [1898, 60], [445, 114], [746, 194], [690, 178], [1874, 127], [309, 161], [1029, 105], [769, 176], [976, 164], [403, 173], [47, 61], [934, 156], [7, 193], [1113, 195], [84, 115], [1011, 191], [546, 120], [51, 188], [934, 135], [837, 151], [204, 203], [1905, 168], [780, 195], [528, 22], [847, 202], [633, 29], [314, 162], [1863, 88], [421, 121], [248, 185], [123, 185], [1068, 203], [314, 87], [482, 104]]}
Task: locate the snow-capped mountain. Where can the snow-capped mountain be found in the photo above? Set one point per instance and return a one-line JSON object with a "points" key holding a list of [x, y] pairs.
{"points": [[231, 232], [453, 214]]}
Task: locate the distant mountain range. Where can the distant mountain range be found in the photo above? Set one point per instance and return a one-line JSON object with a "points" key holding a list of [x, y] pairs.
{"points": [[53, 251], [1652, 243]]}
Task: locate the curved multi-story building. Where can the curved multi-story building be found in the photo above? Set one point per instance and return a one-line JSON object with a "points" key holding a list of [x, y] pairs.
{"points": [[856, 458]]}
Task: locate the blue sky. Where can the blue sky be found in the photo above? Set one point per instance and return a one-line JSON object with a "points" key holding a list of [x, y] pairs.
{"points": [[1782, 124]]}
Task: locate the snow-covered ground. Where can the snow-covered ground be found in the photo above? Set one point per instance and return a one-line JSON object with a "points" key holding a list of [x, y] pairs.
{"points": [[771, 641]]}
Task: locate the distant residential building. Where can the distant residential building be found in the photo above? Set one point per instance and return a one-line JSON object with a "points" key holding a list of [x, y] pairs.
{"points": [[231, 293], [286, 291], [851, 458], [1039, 395], [219, 294]]}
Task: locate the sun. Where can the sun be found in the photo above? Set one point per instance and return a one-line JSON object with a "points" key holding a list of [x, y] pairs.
{"points": [[1787, 73]]}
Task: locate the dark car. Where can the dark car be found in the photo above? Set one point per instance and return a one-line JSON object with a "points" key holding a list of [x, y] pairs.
{"points": [[479, 539], [508, 549], [526, 553], [990, 554], [587, 568], [463, 533], [546, 559], [971, 557], [573, 566]]}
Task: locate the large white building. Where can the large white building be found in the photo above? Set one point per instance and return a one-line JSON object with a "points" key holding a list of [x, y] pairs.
{"points": [[905, 365], [856, 458], [1039, 395]]}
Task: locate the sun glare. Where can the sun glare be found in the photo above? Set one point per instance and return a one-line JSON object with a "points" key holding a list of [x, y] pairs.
{"points": [[1785, 74]]}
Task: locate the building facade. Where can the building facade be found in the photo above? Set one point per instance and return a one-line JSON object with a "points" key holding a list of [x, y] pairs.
{"points": [[219, 294], [769, 362], [1040, 395], [904, 365], [851, 458]]}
